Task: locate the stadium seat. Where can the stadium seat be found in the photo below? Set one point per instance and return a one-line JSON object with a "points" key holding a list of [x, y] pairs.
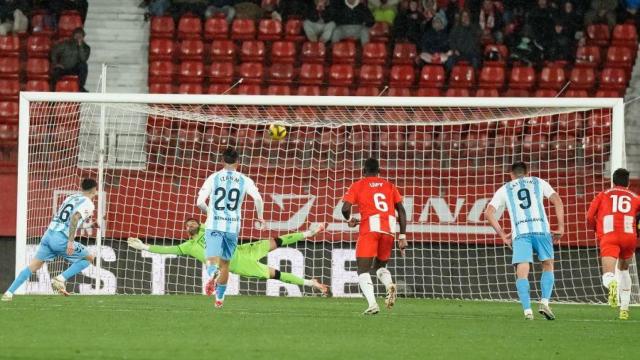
{"points": [[67, 22], [374, 53], [160, 88], [37, 85], [487, 92], [279, 90], [522, 77], [598, 35], [432, 76], [569, 124], [492, 77], [429, 92], [281, 74], [221, 72], [552, 78], [338, 91], [252, 51], [249, 89], [189, 27], [9, 135], [308, 90], [619, 56], [68, 83], [563, 147], [393, 143], [162, 27], [9, 67], [38, 69], [223, 51], [594, 148], [598, 123], [191, 49], [191, 71], [462, 76], [161, 72], [293, 31], [190, 88], [341, 75], [582, 78], [9, 111], [588, 56], [367, 91], [540, 124], [269, 30], [402, 76], [575, 93], [38, 46], [510, 127], [420, 142], [625, 35], [500, 49], [344, 52], [609, 93], [515, 92], [161, 49], [545, 93], [613, 79], [371, 75], [38, 24], [313, 52], [535, 147], [311, 74], [283, 52], [379, 32], [457, 92], [251, 72], [9, 89], [243, 29], [404, 53], [399, 92], [10, 45], [216, 28], [219, 89]]}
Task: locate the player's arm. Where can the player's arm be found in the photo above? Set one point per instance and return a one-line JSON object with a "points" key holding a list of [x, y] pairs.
{"points": [[402, 220], [253, 191], [499, 200], [73, 226], [203, 194], [593, 212], [558, 206], [155, 249]]}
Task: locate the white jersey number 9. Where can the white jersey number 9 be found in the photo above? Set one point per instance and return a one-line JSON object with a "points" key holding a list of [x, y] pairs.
{"points": [[621, 203], [381, 202]]}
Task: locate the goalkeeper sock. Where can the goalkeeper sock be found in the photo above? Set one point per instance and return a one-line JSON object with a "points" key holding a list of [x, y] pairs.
{"points": [[75, 268], [384, 276], [23, 276], [546, 284], [291, 238], [607, 278], [220, 290], [624, 289], [211, 269], [523, 293], [366, 286]]}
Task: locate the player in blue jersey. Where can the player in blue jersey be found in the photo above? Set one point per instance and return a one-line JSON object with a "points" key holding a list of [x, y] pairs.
{"points": [[225, 191], [524, 198], [58, 240]]}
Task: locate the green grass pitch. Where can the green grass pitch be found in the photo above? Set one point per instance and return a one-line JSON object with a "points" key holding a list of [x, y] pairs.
{"points": [[188, 327]]}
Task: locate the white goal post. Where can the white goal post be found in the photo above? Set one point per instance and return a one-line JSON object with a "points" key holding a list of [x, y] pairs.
{"points": [[150, 153]]}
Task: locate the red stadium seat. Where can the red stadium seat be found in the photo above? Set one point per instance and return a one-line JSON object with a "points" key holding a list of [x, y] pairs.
{"points": [[10, 45], [492, 77], [249, 89], [216, 28], [598, 35], [221, 72], [252, 51], [487, 92], [420, 142], [37, 85], [283, 52], [160, 88], [191, 71], [462, 76], [38, 24], [371, 75], [457, 92], [536, 147], [9, 135], [588, 56], [162, 27], [344, 52], [9, 67], [68, 21], [374, 53], [191, 49], [599, 123], [546, 93], [341, 75], [251, 72], [540, 125], [625, 35], [613, 79], [399, 92], [269, 30], [223, 51], [429, 92], [68, 84], [9, 111], [402, 76], [582, 78], [367, 91], [189, 27], [161, 49], [432, 76], [293, 30], [313, 52], [510, 127], [552, 78], [404, 53], [393, 143], [38, 69], [338, 91], [511, 92], [190, 88], [619, 56], [161, 72], [607, 93], [281, 74], [379, 32], [279, 90], [569, 124], [575, 93], [311, 74], [522, 77], [38, 46], [308, 90], [9, 89], [243, 29], [219, 89]]}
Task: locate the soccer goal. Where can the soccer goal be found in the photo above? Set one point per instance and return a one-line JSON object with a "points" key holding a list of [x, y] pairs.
{"points": [[151, 153]]}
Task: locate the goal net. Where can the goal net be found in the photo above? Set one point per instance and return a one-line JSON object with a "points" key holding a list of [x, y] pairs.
{"points": [[151, 154]]}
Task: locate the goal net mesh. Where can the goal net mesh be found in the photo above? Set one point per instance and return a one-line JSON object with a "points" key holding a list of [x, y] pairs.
{"points": [[446, 161]]}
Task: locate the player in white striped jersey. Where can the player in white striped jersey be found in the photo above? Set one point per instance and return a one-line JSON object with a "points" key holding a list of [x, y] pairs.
{"points": [[58, 240], [225, 191], [524, 198]]}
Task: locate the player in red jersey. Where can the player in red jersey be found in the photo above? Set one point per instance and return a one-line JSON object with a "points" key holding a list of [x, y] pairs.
{"points": [[377, 200], [612, 214]]}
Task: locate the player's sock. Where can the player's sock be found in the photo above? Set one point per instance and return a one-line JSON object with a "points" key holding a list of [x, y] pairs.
{"points": [[289, 278], [384, 276], [23, 276], [523, 293], [290, 238], [220, 290], [607, 278], [546, 284], [211, 269], [366, 286], [75, 268], [624, 289]]}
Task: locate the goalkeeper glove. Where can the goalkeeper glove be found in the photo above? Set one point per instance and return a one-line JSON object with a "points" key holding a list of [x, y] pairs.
{"points": [[137, 244]]}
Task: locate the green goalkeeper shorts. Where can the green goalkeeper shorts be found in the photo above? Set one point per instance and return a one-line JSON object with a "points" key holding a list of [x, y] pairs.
{"points": [[246, 260]]}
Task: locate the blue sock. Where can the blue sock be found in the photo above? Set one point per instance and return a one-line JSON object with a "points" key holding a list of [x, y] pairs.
{"points": [[523, 293], [75, 268], [546, 284], [24, 275], [220, 289], [211, 269]]}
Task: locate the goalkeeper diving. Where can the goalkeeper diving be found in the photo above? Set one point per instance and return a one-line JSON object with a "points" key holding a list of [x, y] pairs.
{"points": [[246, 259]]}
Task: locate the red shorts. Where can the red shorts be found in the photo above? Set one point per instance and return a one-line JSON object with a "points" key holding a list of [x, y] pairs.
{"points": [[618, 246], [374, 244]]}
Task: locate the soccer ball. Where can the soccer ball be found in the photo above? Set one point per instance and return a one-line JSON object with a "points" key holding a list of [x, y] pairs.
{"points": [[277, 131]]}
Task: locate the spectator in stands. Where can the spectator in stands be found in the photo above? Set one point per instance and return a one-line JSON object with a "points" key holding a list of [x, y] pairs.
{"points": [[182, 7], [353, 20], [539, 23], [12, 16], [602, 11], [318, 24], [464, 40], [491, 22], [569, 16], [384, 10], [81, 6], [527, 52], [224, 7], [159, 7], [69, 57], [409, 23], [561, 46], [434, 45], [296, 8], [249, 9]]}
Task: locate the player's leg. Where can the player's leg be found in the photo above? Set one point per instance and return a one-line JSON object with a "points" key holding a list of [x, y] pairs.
{"points": [[626, 256], [610, 252], [213, 251], [366, 251], [543, 246], [79, 260], [293, 238], [522, 257], [22, 277], [229, 244], [290, 278], [385, 246]]}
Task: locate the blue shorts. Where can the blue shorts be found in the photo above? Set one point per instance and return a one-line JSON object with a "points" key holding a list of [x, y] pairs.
{"points": [[220, 244], [525, 245], [54, 244]]}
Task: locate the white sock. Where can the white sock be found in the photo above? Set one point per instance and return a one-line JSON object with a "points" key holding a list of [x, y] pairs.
{"points": [[308, 282], [366, 286], [61, 278], [607, 278], [544, 302], [624, 289], [8, 293], [385, 277], [528, 312]]}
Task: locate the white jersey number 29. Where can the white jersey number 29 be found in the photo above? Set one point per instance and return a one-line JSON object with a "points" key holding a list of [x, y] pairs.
{"points": [[381, 202]]}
